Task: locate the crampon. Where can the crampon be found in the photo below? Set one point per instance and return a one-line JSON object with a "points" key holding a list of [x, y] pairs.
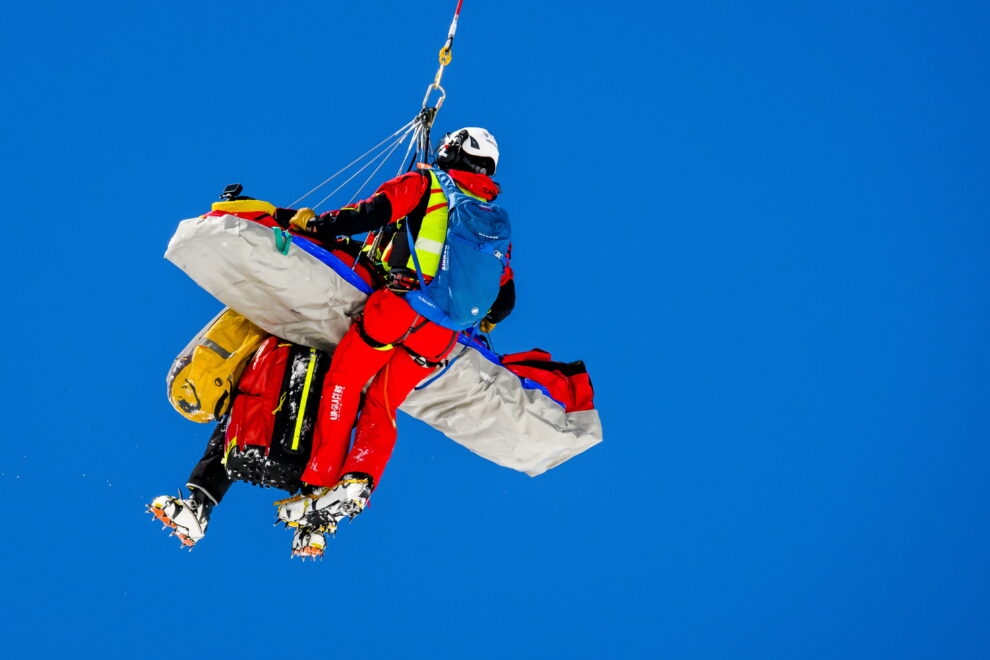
{"points": [[168, 523], [186, 518], [308, 542], [298, 512]]}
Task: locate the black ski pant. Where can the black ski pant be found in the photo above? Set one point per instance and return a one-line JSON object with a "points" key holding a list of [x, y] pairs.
{"points": [[210, 475]]}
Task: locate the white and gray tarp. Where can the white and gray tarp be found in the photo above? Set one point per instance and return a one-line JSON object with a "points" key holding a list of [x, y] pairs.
{"points": [[302, 293]]}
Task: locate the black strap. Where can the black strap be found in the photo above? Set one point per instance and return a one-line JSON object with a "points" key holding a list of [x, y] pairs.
{"points": [[424, 361], [374, 343]]}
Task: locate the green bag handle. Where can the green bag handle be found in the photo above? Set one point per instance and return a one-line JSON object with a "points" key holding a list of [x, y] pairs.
{"points": [[283, 240]]}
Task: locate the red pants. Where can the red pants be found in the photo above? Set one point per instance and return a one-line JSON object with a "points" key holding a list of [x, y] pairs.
{"points": [[387, 320]]}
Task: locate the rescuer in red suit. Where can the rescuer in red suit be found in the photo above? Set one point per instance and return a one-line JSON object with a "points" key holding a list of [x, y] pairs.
{"points": [[390, 343]]}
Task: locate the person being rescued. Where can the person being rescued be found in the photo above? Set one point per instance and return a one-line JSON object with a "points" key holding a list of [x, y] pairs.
{"points": [[390, 344]]}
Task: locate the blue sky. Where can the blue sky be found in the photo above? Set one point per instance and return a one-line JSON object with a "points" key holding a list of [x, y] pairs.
{"points": [[763, 227]]}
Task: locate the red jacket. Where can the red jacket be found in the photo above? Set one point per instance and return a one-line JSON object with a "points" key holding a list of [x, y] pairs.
{"points": [[406, 196]]}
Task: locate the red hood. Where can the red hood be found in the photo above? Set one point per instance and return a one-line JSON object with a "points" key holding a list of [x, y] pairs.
{"points": [[479, 184]]}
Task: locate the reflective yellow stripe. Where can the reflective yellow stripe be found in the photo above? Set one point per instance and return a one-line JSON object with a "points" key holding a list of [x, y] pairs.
{"points": [[429, 245], [352, 481], [230, 448], [305, 397]]}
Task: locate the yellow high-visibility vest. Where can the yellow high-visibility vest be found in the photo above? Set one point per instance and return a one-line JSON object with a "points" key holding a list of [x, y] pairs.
{"points": [[433, 230]]}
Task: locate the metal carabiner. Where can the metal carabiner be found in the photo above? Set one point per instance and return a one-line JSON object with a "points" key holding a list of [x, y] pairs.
{"points": [[429, 88]]}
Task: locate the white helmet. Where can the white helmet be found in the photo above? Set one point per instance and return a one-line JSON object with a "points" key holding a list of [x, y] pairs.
{"points": [[473, 149]]}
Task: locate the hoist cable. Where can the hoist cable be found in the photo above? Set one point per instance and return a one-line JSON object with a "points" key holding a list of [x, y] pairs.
{"points": [[419, 126], [446, 56]]}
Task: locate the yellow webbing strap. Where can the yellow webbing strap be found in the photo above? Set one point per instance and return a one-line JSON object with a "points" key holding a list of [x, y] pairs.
{"points": [[244, 206], [230, 448], [305, 397]]}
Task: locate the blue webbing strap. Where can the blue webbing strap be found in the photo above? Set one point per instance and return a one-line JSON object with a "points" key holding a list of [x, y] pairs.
{"points": [[412, 249], [422, 286], [449, 187], [339, 267]]}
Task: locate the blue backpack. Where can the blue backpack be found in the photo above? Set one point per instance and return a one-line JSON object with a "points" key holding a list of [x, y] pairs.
{"points": [[471, 262]]}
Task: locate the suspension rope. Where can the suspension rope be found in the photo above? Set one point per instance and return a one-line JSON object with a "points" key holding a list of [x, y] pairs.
{"points": [[384, 153], [351, 164], [384, 160], [414, 142]]}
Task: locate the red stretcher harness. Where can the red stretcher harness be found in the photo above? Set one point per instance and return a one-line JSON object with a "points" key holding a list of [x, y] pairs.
{"points": [[568, 383]]}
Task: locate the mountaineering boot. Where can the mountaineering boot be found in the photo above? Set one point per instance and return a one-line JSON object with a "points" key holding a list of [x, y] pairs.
{"points": [[348, 498], [308, 542], [187, 517], [292, 509]]}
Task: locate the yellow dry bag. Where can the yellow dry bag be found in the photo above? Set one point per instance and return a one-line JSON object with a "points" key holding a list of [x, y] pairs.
{"points": [[201, 381]]}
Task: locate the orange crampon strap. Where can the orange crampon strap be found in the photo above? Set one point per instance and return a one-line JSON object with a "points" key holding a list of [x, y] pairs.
{"points": [[308, 551], [168, 522]]}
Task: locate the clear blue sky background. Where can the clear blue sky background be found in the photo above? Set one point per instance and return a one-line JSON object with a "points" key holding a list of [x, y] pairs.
{"points": [[763, 227]]}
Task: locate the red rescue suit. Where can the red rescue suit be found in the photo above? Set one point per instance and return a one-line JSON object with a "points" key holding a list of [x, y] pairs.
{"points": [[390, 344]]}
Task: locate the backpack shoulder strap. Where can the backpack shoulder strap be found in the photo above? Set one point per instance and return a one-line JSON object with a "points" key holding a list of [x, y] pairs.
{"points": [[415, 257], [447, 183]]}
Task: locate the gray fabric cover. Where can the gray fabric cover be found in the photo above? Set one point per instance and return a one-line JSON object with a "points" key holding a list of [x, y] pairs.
{"points": [[476, 403], [293, 296]]}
